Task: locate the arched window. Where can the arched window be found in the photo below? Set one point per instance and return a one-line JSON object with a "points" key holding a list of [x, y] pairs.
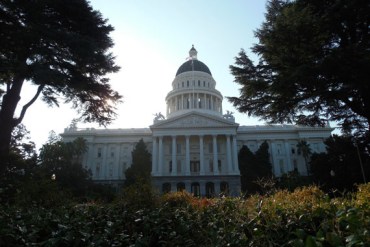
{"points": [[166, 187], [180, 187], [224, 188], [195, 189], [210, 189]]}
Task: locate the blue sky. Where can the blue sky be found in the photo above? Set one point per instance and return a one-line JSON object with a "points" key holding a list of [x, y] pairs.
{"points": [[152, 39]]}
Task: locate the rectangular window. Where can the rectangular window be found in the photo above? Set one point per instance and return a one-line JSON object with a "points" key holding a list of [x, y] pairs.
{"points": [[281, 165], [295, 164], [204, 83], [219, 166], [210, 147], [198, 83], [110, 169], [211, 165], [178, 148], [194, 166], [179, 166], [99, 153], [112, 151], [187, 83], [279, 149], [97, 169]]}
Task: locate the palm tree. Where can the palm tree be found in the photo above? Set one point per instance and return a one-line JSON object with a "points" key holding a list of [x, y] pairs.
{"points": [[305, 150]]}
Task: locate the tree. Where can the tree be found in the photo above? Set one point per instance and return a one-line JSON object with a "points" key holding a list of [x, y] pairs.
{"points": [[340, 166], [62, 161], [19, 144], [141, 165], [263, 160], [60, 47], [254, 167], [305, 150], [313, 65]]}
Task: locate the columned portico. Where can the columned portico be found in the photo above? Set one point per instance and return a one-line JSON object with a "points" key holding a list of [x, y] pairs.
{"points": [[195, 145]]}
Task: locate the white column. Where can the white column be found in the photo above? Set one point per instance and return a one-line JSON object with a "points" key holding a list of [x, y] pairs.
{"points": [[182, 101], [205, 101], [228, 155], [174, 161], [155, 157], [288, 156], [215, 156], [160, 165], [187, 156], [201, 155], [212, 105], [235, 155]]}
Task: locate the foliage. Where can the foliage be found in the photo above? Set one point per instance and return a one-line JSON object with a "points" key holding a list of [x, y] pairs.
{"points": [[293, 180], [304, 149], [22, 159], [340, 166], [313, 65], [141, 166], [62, 161], [138, 195], [304, 217], [254, 167], [63, 50]]}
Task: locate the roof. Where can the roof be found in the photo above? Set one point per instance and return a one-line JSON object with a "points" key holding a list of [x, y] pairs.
{"points": [[198, 66]]}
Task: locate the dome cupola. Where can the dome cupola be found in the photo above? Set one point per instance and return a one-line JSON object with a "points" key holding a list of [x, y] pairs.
{"points": [[193, 89], [193, 64]]}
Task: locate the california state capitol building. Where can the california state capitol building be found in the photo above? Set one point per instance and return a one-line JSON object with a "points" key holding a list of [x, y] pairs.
{"points": [[195, 145]]}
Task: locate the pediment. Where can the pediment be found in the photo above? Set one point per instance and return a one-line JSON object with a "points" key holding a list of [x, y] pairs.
{"points": [[194, 120]]}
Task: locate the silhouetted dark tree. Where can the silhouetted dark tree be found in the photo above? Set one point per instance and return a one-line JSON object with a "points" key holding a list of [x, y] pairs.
{"points": [[340, 167], [141, 166], [62, 162], [314, 58], [253, 167], [60, 47]]}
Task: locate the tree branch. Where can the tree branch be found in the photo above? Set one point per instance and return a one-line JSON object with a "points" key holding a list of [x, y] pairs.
{"points": [[25, 107]]}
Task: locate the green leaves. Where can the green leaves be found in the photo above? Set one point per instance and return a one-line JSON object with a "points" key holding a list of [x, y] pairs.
{"points": [[303, 218], [312, 65]]}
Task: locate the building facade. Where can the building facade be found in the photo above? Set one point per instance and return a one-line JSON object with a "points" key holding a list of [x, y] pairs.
{"points": [[195, 147]]}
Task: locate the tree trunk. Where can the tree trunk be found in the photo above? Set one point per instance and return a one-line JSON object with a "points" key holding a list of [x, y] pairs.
{"points": [[7, 121]]}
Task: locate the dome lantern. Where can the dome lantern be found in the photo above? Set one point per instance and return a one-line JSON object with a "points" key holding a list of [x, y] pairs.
{"points": [[193, 53]]}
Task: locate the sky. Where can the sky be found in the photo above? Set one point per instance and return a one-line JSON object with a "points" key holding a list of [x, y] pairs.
{"points": [[152, 39]]}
